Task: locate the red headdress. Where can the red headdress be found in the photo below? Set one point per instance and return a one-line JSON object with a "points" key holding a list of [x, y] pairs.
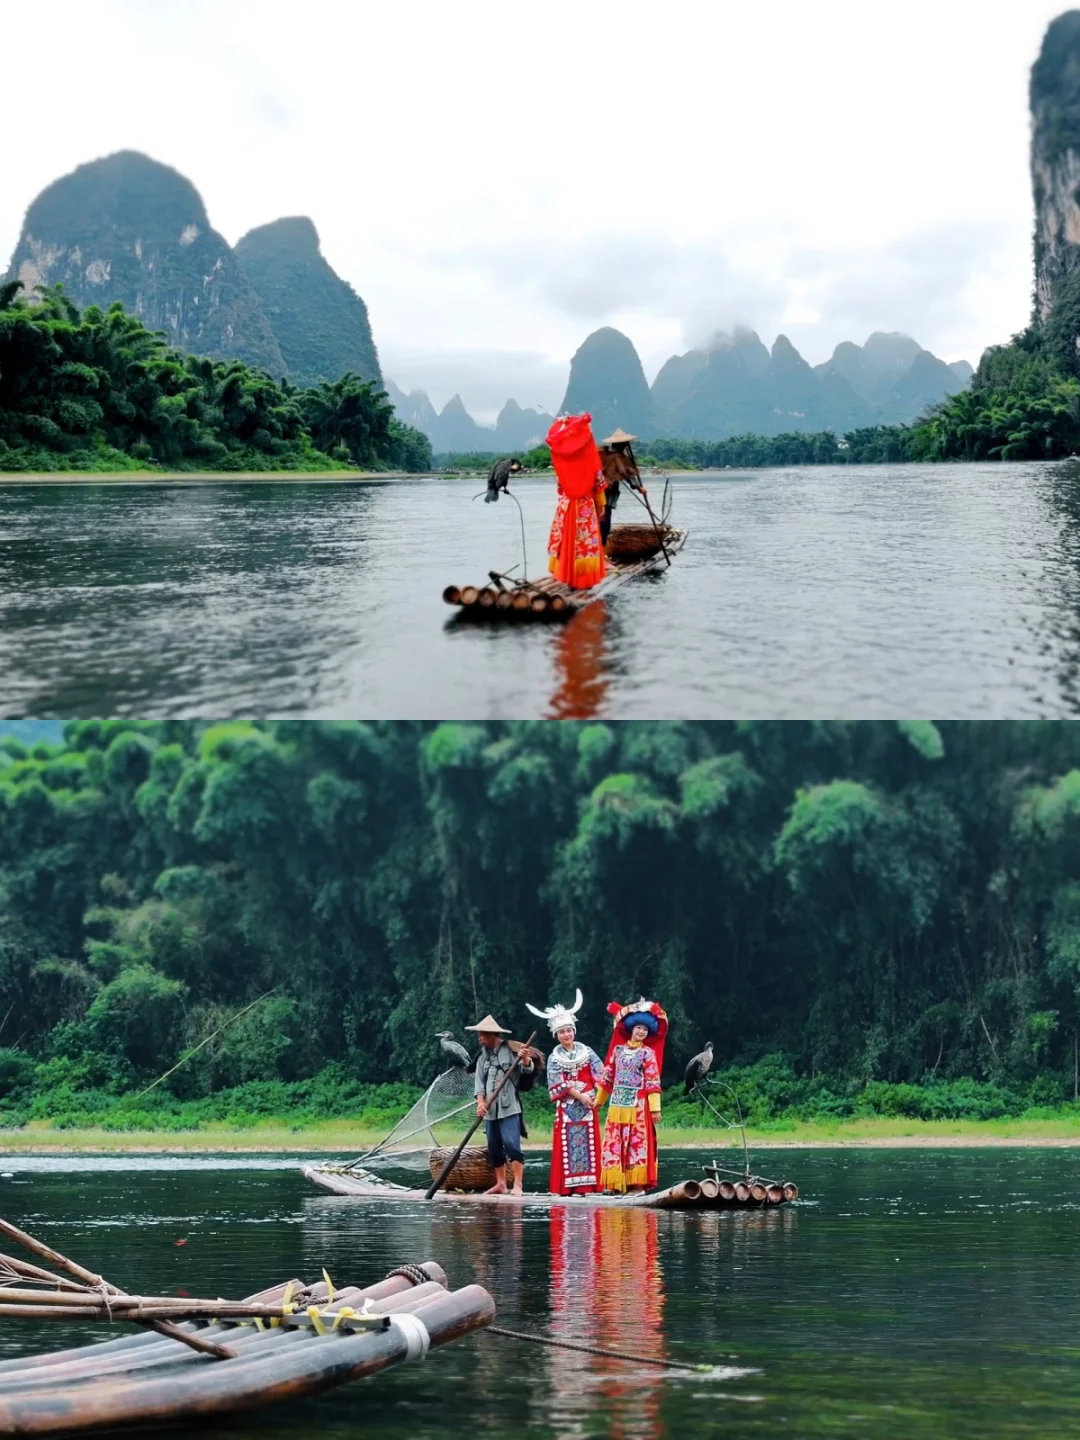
{"points": [[574, 456], [648, 1010]]}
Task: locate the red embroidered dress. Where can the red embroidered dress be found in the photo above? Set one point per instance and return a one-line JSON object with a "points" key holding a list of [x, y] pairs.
{"points": [[575, 550], [575, 1143], [632, 1079]]}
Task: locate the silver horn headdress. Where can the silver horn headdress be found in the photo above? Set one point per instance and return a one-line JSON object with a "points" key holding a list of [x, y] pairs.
{"points": [[558, 1016]]}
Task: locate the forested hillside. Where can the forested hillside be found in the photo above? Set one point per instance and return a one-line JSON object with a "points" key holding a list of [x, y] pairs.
{"points": [[97, 390], [874, 902]]}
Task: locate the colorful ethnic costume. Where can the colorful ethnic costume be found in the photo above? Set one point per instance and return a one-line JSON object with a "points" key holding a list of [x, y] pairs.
{"points": [[632, 1079], [572, 1073], [575, 549]]}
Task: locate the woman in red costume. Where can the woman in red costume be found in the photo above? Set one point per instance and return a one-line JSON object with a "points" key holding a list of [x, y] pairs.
{"points": [[573, 1073], [575, 549], [635, 1060]]}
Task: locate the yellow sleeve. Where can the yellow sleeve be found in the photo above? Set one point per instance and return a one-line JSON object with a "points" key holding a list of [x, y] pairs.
{"points": [[654, 1102], [602, 1094]]}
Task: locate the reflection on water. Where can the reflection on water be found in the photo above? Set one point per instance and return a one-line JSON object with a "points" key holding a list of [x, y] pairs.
{"points": [[581, 664], [607, 1290], [913, 1295], [946, 590]]}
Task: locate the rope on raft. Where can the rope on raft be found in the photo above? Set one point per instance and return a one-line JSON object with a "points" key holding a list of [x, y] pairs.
{"points": [[415, 1274], [594, 1349]]}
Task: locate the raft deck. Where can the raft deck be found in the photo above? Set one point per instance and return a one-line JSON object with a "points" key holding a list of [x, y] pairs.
{"points": [[146, 1380], [707, 1193], [546, 598]]}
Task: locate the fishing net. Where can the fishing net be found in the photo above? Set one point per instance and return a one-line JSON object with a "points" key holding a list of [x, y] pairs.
{"points": [[412, 1139]]}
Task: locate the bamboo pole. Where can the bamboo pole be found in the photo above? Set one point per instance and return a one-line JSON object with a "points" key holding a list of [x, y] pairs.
{"points": [[677, 1196], [434, 1186], [149, 1342], [452, 595], [37, 1247], [285, 1373]]}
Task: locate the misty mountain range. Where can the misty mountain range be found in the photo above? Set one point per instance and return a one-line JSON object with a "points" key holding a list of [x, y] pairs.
{"points": [[736, 387], [128, 228]]}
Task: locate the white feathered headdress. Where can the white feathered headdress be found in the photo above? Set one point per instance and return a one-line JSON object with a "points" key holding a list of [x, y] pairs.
{"points": [[558, 1016]]}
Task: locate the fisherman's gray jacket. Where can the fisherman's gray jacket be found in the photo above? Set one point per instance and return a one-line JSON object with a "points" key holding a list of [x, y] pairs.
{"points": [[490, 1069]]}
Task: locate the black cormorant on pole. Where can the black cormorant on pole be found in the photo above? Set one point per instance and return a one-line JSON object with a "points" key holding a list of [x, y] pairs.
{"points": [[449, 1046], [698, 1068]]}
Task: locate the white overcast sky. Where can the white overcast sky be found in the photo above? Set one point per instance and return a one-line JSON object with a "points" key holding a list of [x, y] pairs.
{"points": [[499, 177]]}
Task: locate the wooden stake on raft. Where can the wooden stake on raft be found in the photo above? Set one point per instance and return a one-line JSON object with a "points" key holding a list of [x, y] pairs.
{"points": [[163, 1327], [434, 1186], [486, 598], [469, 594], [452, 595], [503, 600], [521, 600]]}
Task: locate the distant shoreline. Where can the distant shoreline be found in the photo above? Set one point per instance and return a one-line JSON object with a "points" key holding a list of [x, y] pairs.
{"points": [[339, 1137], [213, 477]]}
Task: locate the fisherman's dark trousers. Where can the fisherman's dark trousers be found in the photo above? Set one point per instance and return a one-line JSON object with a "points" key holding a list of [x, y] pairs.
{"points": [[504, 1140]]}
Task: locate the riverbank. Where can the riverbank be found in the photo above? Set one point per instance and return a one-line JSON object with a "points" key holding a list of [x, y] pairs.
{"points": [[208, 477], [339, 1137]]}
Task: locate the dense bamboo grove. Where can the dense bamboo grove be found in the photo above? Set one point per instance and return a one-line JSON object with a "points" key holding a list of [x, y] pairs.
{"points": [[877, 901]]}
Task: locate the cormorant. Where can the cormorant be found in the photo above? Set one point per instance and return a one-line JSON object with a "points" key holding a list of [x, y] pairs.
{"points": [[499, 478], [450, 1046], [698, 1068]]}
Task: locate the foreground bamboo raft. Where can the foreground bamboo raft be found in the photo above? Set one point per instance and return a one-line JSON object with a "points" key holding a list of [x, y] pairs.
{"points": [[548, 599], [213, 1357], [711, 1192]]}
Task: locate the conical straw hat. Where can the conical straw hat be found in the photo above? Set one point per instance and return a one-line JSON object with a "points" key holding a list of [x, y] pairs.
{"points": [[619, 437], [489, 1026]]}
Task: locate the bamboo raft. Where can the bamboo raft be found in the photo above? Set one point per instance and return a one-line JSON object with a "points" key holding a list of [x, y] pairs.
{"points": [[198, 1358], [710, 1192], [546, 598]]}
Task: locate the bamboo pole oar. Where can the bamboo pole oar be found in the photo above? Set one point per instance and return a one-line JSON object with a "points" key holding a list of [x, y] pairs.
{"points": [[434, 1186], [643, 495], [98, 1282]]}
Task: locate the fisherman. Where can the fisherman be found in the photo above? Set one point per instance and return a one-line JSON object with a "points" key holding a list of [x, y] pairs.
{"points": [[502, 1117], [499, 477], [617, 459]]}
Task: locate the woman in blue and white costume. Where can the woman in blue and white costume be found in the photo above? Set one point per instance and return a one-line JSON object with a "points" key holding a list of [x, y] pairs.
{"points": [[573, 1074]]}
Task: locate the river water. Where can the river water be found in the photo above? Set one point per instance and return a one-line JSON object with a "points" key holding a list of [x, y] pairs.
{"points": [[935, 591], [908, 1294]]}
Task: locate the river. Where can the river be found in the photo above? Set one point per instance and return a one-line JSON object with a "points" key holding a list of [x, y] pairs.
{"points": [[908, 1294], [932, 591]]}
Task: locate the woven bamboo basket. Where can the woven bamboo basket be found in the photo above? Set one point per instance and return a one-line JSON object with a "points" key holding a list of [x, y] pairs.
{"points": [[634, 542], [472, 1172]]}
